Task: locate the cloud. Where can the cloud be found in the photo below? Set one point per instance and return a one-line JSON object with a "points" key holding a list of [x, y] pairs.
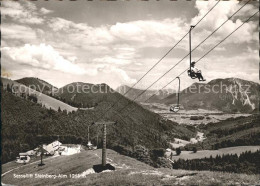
{"points": [[59, 24], [45, 11], [154, 33], [42, 56], [239, 66], [79, 34], [123, 74], [12, 9], [114, 76], [118, 53], [111, 60], [161, 33], [150, 33], [47, 59], [246, 34], [31, 20], [113, 44], [14, 31], [22, 12]]}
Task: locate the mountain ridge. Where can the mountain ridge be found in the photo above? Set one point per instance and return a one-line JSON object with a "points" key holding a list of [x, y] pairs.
{"points": [[42, 98], [135, 126], [228, 95], [134, 92], [37, 84]]}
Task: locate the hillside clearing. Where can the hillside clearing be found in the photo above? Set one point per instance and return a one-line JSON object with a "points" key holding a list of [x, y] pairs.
{"points": [[128, 172], [181, 143], [43, 99], [188, 155]]}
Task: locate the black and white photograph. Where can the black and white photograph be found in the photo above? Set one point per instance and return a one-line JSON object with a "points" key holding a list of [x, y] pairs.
{"points": [[130, 92]]}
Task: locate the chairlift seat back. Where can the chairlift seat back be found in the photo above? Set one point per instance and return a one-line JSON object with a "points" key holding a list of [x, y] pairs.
{"points": [[174, 108], [192, 74]]}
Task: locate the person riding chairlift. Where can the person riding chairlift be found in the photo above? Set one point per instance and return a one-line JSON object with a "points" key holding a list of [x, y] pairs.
{"points": [[197, 72]]}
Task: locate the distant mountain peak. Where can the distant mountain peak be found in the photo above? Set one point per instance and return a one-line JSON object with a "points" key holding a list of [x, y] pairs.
{"points": [[37, 84], [145, 96], [228, 95]]}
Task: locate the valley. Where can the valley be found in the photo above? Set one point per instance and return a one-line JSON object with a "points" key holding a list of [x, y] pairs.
{"points": [[191, 117], [37, 120], [139, 146], [120, 92]]}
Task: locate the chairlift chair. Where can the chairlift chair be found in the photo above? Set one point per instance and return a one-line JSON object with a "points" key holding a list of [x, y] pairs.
{"points": [[177, 107], [192, 74]]}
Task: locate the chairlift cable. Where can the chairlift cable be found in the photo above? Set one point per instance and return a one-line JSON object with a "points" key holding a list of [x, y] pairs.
{"points": [[158, 61], [203, 55], [185, 56]]}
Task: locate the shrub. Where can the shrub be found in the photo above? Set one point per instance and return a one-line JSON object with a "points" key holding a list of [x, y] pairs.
{"points": [[142, 154], [156, 153], [178, 151], [196, 117], [123, 150], [163, 162]]}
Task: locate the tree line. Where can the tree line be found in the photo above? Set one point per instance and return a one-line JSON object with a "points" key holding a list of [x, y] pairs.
{"points": [[247, 162], [30, 97], [23, 121], [250, 139], [74, 103]]}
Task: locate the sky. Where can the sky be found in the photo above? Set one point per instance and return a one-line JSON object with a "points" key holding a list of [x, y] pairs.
{"points": [[117, 42]]}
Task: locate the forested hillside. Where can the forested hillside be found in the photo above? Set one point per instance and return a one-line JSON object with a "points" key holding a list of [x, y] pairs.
{"points": [[232, 132], [23, 120], [247, 162], [37, 84]]}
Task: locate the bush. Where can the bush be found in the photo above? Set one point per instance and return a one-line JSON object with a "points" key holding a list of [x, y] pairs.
{"points": [[156, 153], [196, 117], [123, 150], [163, 162], [178, 151], [194, 149], [142, 154]]}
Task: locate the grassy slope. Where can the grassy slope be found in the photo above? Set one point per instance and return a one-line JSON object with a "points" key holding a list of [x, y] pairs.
{"points": [[22, 120], [128, 172], [40, 85], [188, 155], [43, 99]]}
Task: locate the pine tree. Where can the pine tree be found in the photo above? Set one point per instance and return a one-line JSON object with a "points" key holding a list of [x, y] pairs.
{"points": [[194, 149], [8, 88], [178, 151]]}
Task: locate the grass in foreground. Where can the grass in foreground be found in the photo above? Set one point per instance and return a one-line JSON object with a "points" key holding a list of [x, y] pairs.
{"points": [[128, 172]]}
